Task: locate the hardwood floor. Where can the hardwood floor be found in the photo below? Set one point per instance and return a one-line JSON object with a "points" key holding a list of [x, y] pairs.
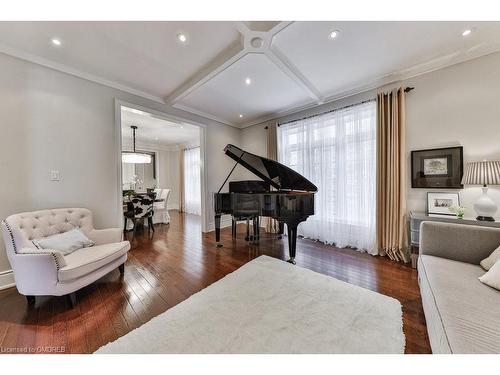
{"points": [[167, 267]]}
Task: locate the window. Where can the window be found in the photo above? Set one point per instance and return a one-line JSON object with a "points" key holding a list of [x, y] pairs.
{"points": [[337, 152], [192, 183]]}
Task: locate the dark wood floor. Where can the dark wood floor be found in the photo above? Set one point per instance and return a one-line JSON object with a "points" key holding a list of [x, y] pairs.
{"points": [[178, 260]]}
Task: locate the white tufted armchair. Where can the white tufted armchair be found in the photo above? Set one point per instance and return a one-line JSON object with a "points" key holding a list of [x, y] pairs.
{"points": [[46, 272]]}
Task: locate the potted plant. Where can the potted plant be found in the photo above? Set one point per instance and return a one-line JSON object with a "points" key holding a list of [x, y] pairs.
{"points": [[458, 210]]}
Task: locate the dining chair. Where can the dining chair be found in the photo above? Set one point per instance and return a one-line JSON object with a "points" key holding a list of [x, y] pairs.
{"points": [[160, 207], [142, 208]]}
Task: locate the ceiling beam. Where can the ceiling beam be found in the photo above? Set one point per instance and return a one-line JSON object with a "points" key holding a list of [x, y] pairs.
{"points": [[286, 66], [282, 62], [221, 62], [235, 52]]}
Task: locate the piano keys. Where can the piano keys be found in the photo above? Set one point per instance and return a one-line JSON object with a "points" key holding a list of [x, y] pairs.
{"points": [[291, 203]]}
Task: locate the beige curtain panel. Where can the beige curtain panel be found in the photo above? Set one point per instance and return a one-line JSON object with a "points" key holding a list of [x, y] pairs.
{"points": [[391, 176], [272, 225], [181, 181]]}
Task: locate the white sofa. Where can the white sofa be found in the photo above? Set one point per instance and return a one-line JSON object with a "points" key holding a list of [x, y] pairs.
{"points": [[462, 314], [46, 272]]}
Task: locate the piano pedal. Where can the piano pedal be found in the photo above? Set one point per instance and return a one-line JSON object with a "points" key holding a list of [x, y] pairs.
{"points": [[292, 261]]}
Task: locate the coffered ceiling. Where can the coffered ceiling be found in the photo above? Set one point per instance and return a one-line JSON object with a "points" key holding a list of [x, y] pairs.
{"points": [[202, 67]]}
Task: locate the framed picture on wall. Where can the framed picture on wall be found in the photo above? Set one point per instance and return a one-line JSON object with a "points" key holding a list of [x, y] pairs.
{"points": [[440, 168], [440, 203]]}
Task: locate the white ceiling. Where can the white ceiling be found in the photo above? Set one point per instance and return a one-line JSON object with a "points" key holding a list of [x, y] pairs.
{"points": [[153, 131], [227, 95], [295, 65], [145, 56]]}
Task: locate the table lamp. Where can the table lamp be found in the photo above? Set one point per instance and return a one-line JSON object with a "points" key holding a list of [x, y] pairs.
{"points": [[483, 173]]}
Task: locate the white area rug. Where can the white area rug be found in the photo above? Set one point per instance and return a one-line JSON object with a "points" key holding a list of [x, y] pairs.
{"points": [[270, 306]]}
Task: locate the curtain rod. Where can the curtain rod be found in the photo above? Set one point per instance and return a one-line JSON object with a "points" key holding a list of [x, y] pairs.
{"points": [[406, 90], [189, 148], [330, 111]]}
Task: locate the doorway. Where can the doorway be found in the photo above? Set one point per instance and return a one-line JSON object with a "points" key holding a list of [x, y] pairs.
{"points": [[160, 158]]}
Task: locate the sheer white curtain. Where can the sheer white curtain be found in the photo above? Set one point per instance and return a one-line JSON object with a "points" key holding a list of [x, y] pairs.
{"points": [[337, 152], [192, 183]]}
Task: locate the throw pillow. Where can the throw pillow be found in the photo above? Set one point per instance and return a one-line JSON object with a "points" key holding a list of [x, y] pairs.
{"points": [[66, 242], [492, 277], [491, 260]]}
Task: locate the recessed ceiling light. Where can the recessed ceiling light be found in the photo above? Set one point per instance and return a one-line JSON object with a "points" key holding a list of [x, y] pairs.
{"points": [[467, 32], [248, 81], [56, 42], [333, 34], [182, 37], [241, 116]]}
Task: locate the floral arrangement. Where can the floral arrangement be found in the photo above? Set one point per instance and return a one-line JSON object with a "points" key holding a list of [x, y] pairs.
{"points": [[458, 210]]}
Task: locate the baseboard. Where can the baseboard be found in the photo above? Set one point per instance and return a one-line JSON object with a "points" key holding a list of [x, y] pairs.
{"points": [[225, 222], [7, 279]]}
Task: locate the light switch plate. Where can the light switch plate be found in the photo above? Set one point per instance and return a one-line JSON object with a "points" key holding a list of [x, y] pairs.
{"points": [[55, 176]]}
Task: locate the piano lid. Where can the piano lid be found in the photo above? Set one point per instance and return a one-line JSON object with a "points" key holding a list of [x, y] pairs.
{"points": [[278, 175]]}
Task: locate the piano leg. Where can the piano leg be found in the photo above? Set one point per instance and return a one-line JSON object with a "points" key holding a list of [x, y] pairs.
{"points": [[292, 241], [233, 228], [247, 238], [257, 227], [217, 230]]}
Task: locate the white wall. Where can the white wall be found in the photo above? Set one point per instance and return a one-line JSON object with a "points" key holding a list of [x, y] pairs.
{"points": [[52, 120], [217, 139], [458, 105], [254, 140]]}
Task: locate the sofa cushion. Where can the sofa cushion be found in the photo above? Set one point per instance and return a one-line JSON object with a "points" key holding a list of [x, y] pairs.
{"points": [[86, 260], [468, 311]]}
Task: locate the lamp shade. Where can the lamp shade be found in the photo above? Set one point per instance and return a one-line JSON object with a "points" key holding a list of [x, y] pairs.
{"points": [[136, 158], [482, 173]]}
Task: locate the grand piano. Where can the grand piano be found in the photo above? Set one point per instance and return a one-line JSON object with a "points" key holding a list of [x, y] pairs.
{"points": [[291, 203]]}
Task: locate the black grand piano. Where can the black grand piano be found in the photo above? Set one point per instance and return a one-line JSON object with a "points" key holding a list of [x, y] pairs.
{"points": [[291, 203]]}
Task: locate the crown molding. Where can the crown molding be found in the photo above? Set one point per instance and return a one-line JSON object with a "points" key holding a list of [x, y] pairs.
{"points": [[208, 116], [475, 52], [7, 50]]}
